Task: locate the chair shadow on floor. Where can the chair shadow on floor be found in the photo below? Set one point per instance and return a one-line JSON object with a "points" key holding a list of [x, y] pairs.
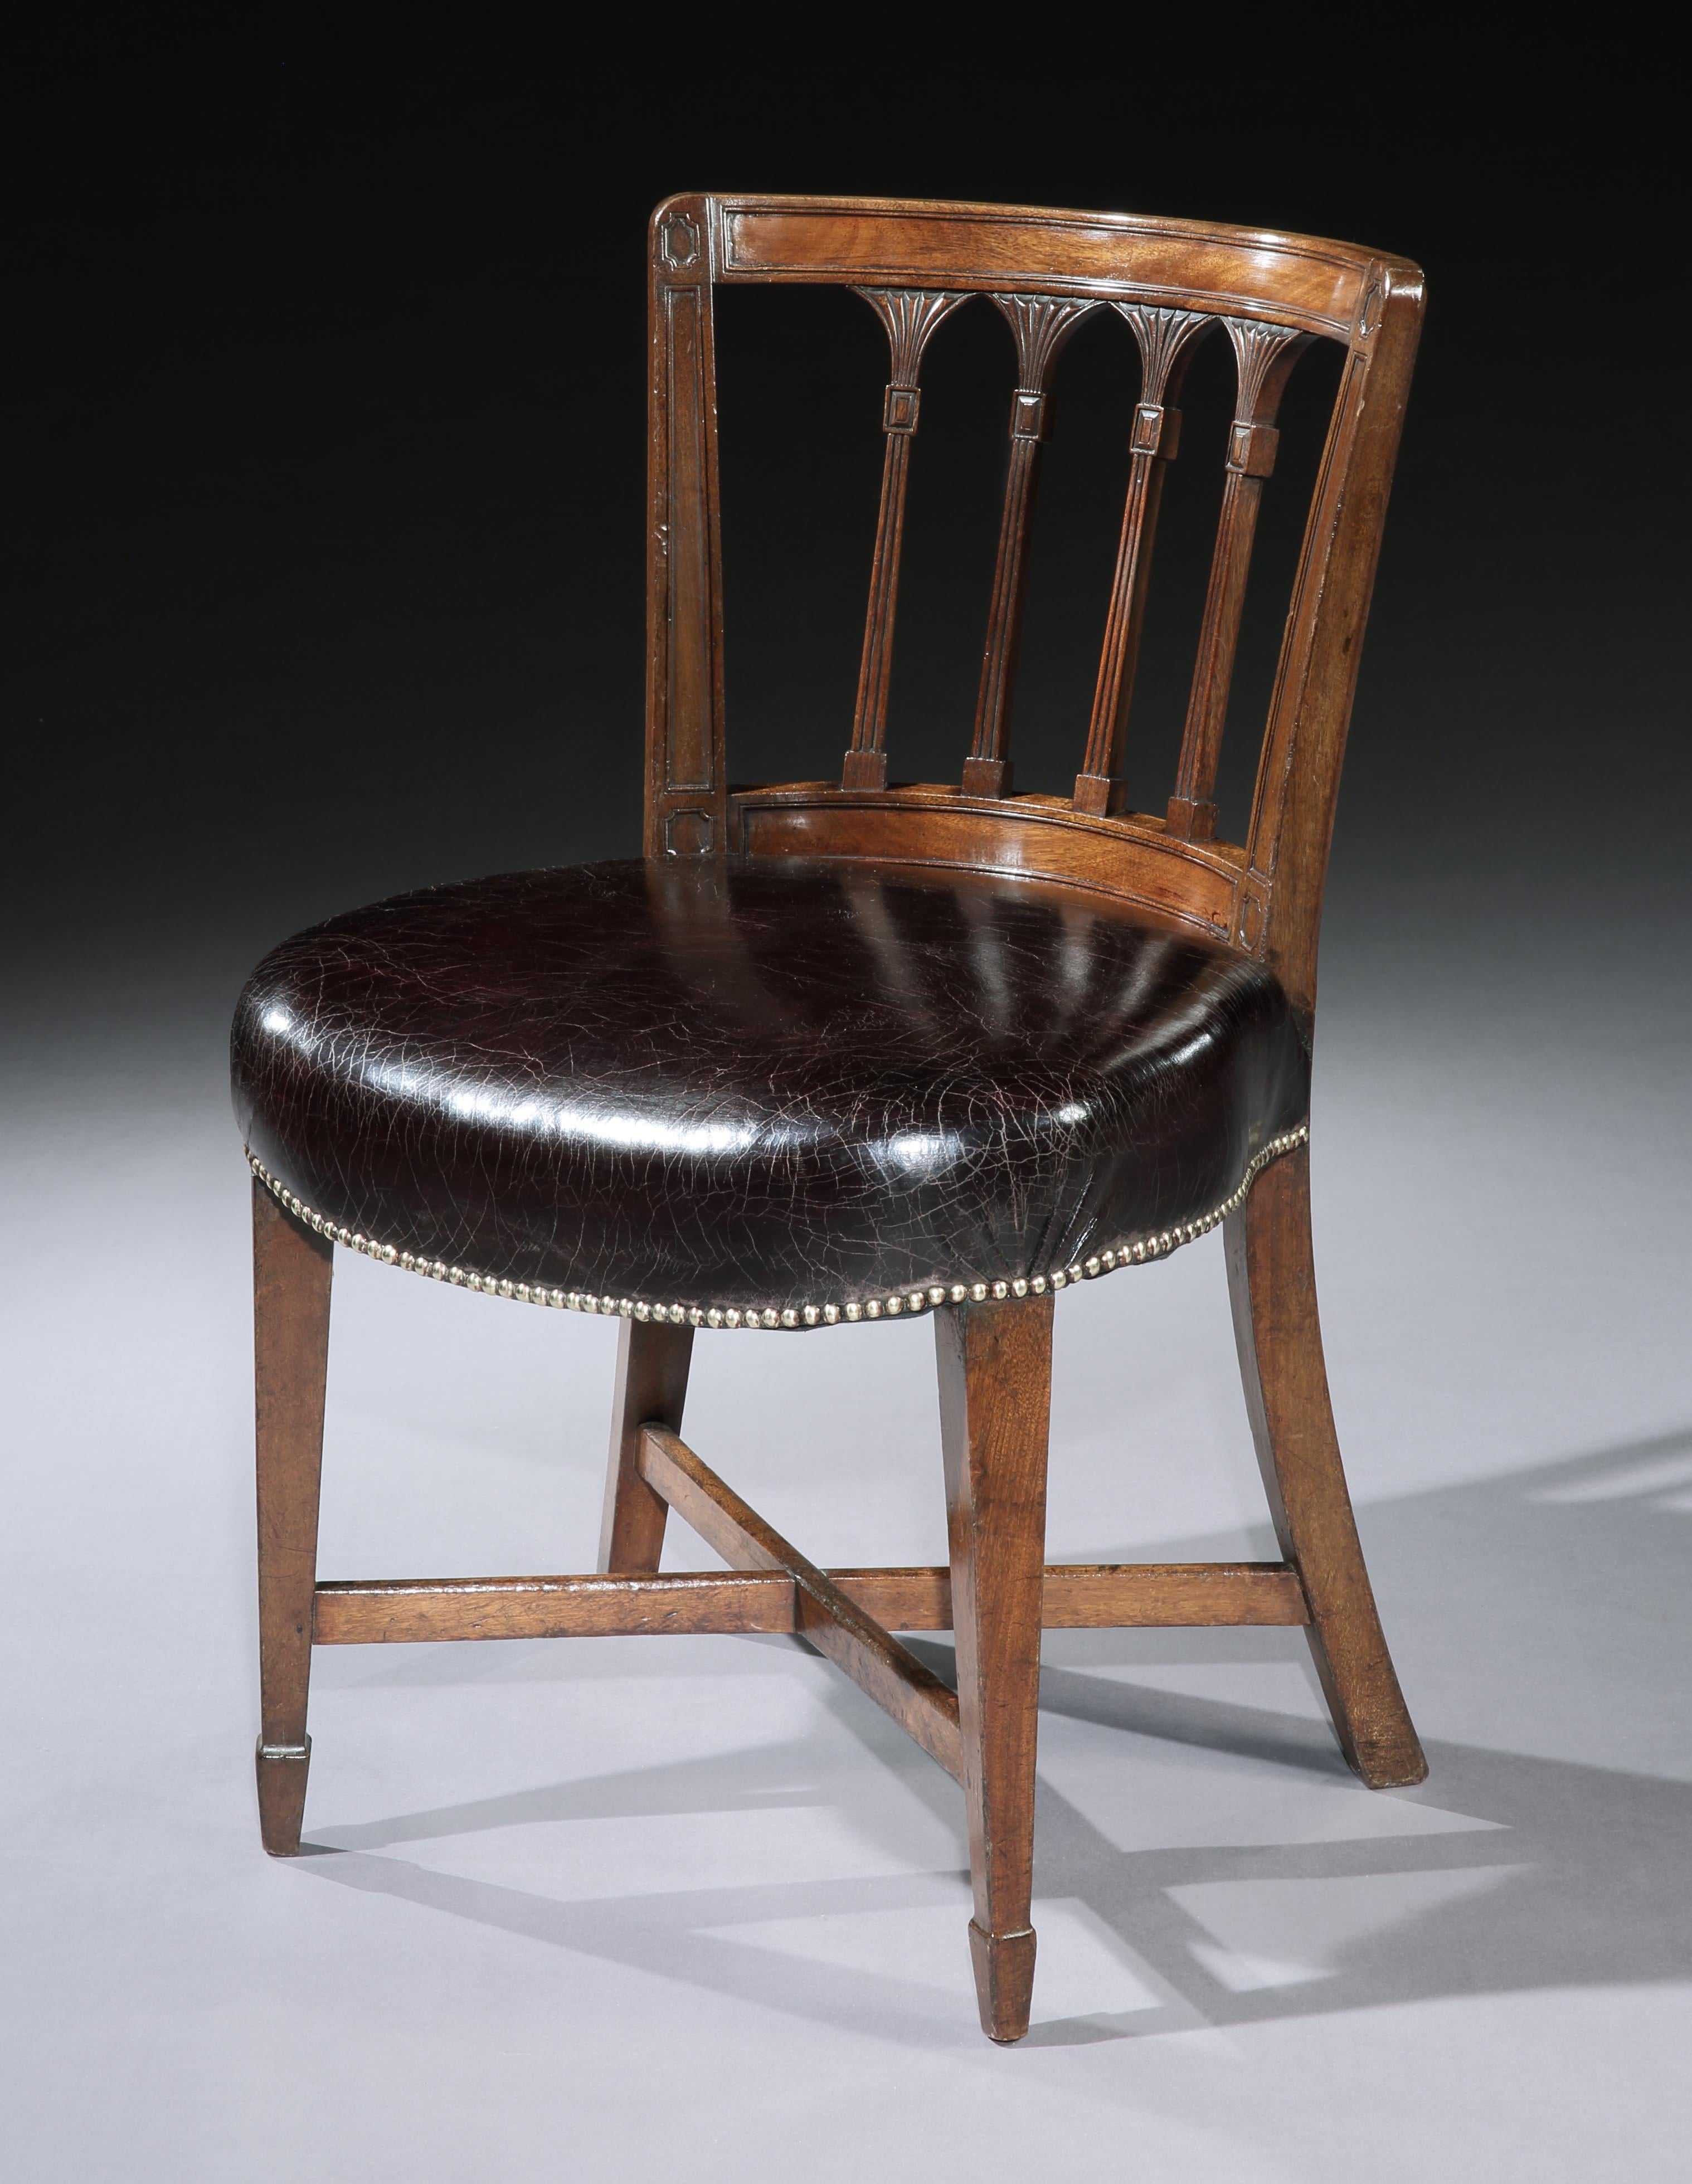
{"points": [[1559, 1595]]}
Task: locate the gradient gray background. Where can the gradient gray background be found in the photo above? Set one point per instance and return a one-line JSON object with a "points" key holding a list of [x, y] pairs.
{"points": [[325, 483]]}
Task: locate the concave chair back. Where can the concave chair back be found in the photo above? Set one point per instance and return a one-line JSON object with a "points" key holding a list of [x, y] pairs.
{"points": [[1176, 283]]}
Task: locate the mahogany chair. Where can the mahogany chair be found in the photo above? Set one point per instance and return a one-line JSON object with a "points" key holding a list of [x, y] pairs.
{"points": [[843, 1052]]}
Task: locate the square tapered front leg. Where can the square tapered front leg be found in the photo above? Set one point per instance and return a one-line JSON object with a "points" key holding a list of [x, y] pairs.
{"points": [[995, 1405], [291, 1267]]}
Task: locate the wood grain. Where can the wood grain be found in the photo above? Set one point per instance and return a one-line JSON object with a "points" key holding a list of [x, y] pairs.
{"points": [[1272, 1279], [427, 1611], [291, 1269], [1264, 358], [652, 1360], [686, 775], [910, 318], [1162, 274], [1303, 281], [836, 1625], [995, 1363], [1076, 1597], [1041, 327], [1167, 340], [1036, 838], [1316, 679]]}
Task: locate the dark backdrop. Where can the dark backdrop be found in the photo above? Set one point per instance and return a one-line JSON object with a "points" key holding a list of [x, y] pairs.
{"points": [[326, 414]]}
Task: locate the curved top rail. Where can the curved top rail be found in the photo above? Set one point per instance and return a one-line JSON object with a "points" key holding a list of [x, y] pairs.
{"points": [[1318, 286]]}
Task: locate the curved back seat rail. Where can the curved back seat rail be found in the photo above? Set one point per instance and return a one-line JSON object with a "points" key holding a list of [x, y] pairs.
{"points": [[485, 1132]]}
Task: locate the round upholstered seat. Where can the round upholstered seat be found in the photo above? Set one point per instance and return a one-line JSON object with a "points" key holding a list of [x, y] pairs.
{"points": [[765, 1091]]}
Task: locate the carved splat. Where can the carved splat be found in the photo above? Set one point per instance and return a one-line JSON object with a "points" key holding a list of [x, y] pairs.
{"points": [[910, 316], [920, 257], [1041, 325], [1263, 357], [1167, 339]]}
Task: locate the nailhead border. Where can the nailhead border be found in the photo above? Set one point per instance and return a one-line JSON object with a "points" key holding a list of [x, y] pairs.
{"points": [[897, 1304]]}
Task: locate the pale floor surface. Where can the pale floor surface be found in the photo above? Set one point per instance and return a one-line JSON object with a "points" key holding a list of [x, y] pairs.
{"points": [[637, 1908]]}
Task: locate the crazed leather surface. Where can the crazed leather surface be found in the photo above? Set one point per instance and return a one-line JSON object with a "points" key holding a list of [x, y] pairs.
{"points": [[760, 1083]]}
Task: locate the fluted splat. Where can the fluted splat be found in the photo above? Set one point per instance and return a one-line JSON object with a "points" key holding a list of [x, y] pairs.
{"points": [[1167, 339], [1041, 325], [909, 316], [1263, 357]]}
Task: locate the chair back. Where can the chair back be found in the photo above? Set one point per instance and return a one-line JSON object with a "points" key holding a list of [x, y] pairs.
{"points": [[1176, 282]]}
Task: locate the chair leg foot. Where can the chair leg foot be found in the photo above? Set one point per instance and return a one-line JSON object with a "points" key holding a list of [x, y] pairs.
{"points": [[281, 1771], [1271, 1276], [1004, 1982]]}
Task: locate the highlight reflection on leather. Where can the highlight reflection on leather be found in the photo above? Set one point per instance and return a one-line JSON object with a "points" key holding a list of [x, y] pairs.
{"points": [[760, 1083]]}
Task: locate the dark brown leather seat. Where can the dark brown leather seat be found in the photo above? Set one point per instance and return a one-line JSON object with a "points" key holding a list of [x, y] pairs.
{"points": [[771, 1091]]}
